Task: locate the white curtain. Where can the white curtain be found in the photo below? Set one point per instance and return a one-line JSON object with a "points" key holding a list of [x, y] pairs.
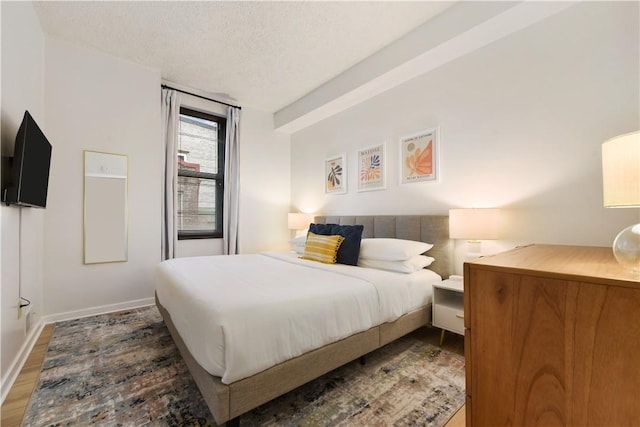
{"points": [[170, 110], [231, 183]]}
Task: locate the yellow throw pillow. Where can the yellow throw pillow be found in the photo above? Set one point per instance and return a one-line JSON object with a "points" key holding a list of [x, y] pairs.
{"points": [[322, 248]]}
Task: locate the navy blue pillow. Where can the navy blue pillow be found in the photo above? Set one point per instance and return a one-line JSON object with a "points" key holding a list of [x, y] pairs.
{"points": [[350, 248]]}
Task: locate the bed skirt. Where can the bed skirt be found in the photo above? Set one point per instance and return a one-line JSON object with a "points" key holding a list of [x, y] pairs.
{"points": [[229, 401]]}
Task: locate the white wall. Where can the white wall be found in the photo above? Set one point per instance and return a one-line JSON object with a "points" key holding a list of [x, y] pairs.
{"points": [[98, 102], [22, 89], [94, 101], [265, 182], [521, 123]]}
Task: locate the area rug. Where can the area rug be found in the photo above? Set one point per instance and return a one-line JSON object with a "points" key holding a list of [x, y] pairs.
{"points": [[122, 369]]}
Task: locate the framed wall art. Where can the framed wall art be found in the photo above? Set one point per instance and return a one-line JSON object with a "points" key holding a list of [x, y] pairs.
{"points": [[371, 168], [335, 174], [419, 157]]}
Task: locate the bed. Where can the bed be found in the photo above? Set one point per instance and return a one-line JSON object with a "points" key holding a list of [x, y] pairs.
{"points": [[256, 375]]}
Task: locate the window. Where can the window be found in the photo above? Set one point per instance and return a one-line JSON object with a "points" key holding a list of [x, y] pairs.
{"points": [[200, 174]]}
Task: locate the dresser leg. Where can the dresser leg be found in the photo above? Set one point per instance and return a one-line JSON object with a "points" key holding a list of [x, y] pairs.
{"points": [[441, 337]]}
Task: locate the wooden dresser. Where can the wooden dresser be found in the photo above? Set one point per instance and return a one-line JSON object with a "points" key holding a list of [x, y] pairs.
{"points": [[552, 338]]}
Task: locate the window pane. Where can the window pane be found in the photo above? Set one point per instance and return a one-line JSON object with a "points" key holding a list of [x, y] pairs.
{"points": [[196, 204], [198, 144]]}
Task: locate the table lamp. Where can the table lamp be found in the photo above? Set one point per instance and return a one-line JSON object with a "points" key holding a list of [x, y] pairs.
{"points": [[621, 189], [474, 225], [299, 222]]}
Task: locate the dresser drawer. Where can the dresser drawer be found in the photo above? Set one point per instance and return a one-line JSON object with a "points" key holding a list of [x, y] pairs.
{"points": [[449, 318]]}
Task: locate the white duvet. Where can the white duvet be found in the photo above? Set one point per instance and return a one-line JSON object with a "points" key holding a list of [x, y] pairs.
{"points": [[241, 314]]}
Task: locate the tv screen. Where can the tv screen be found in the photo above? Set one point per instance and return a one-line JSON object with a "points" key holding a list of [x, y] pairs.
{"points": [[29, 176]]}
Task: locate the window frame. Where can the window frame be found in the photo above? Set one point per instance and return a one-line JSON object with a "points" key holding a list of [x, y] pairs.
{"points": [[217, 178]]}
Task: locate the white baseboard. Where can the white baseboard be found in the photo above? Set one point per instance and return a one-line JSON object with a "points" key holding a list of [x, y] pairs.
{"points": [[21, 358], [36, 330], [78, 314]]}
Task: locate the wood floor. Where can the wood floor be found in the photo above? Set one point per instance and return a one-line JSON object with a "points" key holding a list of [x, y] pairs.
{"points": [[16, 402]]}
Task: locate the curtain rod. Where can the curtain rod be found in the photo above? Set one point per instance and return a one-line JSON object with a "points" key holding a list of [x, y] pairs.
{"points": [[200, 96]]}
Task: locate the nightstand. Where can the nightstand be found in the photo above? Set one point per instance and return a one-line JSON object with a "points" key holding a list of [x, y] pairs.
{"points": [[448, 307]]}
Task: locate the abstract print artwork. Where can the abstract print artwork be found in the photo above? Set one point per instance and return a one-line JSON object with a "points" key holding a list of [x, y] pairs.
{"points": [[371, 168], [419, 157], [335, 174]]}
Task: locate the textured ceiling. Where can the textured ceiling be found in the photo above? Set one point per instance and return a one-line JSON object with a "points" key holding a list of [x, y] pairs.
{"points": [[260, 54]]}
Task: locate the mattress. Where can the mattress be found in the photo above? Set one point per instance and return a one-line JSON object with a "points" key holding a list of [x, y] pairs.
{"points": [[241, 314]]}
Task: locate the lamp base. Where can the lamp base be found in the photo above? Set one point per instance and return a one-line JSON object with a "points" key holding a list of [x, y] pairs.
{"points": [[626, 247], [474, 250]]}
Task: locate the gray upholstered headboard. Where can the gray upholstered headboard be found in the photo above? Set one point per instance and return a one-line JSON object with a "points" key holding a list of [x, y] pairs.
{"points": [[424, 228]]}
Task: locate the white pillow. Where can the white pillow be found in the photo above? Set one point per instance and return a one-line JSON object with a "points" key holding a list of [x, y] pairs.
{"points": [[386, 249], [297, 244], [300, 240], [411, 265]]}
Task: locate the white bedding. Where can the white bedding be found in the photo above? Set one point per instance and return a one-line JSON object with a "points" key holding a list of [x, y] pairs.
{"points": [[241, 314]]}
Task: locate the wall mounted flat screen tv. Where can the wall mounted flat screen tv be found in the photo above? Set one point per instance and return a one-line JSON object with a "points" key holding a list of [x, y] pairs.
{"points": [[29, 175]]}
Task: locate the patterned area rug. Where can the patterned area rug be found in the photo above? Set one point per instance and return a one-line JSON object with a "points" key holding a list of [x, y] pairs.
{"points": [[122, 369]]}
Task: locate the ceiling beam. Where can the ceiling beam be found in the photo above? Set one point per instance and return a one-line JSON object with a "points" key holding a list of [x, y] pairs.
{"points": [[459, 30]]}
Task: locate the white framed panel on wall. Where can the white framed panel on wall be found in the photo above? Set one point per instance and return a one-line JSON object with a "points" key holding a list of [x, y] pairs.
{"points": [[105, 207]]}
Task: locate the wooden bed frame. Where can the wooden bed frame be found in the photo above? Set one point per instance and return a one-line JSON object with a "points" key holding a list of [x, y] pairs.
{"points": [[228, 401]]}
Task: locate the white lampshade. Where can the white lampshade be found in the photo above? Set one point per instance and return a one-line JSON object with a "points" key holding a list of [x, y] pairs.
{"points": [[621, 189], [621, 171], [298, 221], [474, 224]]}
